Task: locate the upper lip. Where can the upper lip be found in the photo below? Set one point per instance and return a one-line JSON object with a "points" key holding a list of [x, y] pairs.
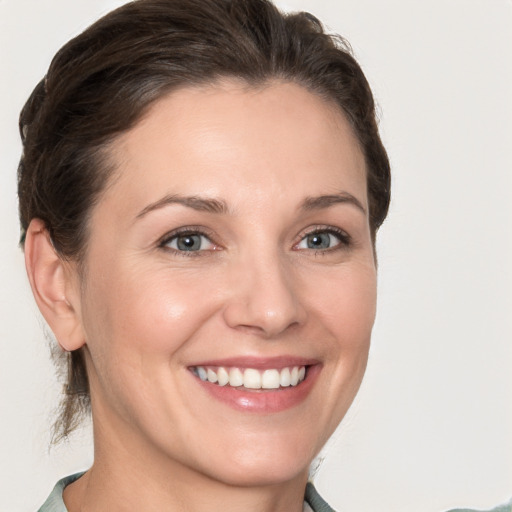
{"points": [[260, 363]]}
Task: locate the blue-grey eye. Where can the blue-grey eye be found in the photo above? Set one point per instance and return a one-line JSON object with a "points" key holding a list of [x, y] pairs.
{"points": [[319, 240], [189, 242]]}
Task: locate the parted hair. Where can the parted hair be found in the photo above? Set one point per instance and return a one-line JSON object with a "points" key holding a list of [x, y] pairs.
{"points": [[104, 80]]}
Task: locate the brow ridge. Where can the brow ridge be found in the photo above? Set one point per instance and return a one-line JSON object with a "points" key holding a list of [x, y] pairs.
{"points": [[325, 201], [218, 206], [203, 204]]}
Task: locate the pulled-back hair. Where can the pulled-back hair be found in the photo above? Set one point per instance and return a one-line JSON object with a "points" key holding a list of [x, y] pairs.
{"points": [[103, 81]]}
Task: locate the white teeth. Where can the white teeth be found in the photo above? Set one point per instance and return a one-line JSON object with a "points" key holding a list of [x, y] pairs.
{"points": [[222, 376], [251, 378], [284, 379], [270, 379], [201, 373], [236, 378], [294, 379]]}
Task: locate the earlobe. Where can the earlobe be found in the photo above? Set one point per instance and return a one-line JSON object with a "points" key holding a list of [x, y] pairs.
{"points": [[51, 285]]}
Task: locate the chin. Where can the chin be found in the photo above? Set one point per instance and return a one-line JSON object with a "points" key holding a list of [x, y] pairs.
{"points": [[263, 464], [258, 475]]}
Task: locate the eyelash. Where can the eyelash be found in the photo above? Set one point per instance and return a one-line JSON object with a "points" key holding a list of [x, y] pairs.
{"points": [[189, 230], [345, 240]]}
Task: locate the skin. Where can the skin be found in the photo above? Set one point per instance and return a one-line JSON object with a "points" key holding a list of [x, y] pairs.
{"points": [[147, 312]]}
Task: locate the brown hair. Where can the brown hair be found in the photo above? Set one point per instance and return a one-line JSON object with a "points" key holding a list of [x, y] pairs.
{"points": [[101, 83]]}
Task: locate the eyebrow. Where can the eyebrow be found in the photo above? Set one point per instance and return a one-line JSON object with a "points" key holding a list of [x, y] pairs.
{"points": [[218, 206], [201, 204], [321, 202]]}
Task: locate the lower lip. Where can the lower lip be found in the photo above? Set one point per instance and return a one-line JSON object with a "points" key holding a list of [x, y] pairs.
{"points": [[263, 401]]}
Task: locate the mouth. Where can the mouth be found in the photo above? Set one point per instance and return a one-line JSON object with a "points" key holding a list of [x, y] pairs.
{"points": [[252, 378], [258, 385]]}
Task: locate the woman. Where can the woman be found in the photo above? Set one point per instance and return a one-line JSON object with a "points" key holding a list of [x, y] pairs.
{"points": [[200, 191]]}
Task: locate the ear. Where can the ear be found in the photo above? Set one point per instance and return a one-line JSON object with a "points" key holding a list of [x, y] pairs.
{"points": [[55, 287]]}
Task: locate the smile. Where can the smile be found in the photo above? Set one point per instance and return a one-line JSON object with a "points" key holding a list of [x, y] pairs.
{"points": [[251, 378], [262, 385]]}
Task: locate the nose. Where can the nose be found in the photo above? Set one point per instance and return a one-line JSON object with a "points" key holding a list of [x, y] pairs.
{"points": [[264, 298]]}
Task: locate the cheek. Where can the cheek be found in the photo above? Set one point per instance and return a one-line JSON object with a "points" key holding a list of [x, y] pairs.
{"points": [[147, 311], [356, 315], [347, 306], [347, 312], [137, 323], [342, 307]]}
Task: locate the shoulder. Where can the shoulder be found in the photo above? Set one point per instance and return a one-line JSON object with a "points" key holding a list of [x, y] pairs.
{"points": [[506, 507], [54, 502], [315, 501]]}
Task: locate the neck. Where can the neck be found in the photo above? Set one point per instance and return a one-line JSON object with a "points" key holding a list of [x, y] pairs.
{"points": [[132, 475]]}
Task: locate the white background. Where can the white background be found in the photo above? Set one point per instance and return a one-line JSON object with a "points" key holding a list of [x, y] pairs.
{"points": [[432, 426]]}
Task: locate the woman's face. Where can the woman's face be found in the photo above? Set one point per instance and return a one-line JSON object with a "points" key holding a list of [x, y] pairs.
{"points": [[233, 245]]}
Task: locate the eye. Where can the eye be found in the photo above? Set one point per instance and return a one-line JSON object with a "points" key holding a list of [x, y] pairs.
{"points": [[323, 240], [188, 242]]}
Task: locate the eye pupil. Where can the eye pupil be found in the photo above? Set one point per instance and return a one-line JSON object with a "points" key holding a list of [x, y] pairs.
{"points": [[319, 241], [189, 243]]}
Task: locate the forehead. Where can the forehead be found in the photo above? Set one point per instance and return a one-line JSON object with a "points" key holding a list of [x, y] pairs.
{"points": [[217, 138]]}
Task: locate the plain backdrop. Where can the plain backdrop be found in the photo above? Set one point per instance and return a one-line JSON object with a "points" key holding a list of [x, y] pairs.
{"points": [[432, 426]]}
